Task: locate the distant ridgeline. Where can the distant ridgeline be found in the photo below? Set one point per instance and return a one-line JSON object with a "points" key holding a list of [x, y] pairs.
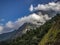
{"points": [[47, 34]]}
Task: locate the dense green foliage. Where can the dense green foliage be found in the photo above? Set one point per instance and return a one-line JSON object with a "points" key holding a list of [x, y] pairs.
{"points": [[53, 35], [34, 36]]}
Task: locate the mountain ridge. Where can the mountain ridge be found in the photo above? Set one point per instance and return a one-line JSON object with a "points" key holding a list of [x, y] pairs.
{"points": [[15, 33]]}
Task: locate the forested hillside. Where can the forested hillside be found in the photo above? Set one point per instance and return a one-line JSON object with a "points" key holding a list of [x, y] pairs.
{"points": [[52, 37]]}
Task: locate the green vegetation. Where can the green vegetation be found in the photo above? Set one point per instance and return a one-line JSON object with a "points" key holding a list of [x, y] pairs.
{"points": [[46, 34], [51, 37]]}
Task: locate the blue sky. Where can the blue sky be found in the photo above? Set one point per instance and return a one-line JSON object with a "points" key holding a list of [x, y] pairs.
{"points": [[14, 9], [14, 13]]}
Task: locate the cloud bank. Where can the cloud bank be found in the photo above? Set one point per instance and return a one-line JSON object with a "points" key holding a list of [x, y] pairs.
{"points": [[50, 8], [33, 18]]}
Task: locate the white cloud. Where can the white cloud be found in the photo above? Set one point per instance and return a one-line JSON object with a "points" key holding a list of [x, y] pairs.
{"points": [[10, 24], [31, 8], [46, 17], [1, 28], [49, 6], [32, 18]]}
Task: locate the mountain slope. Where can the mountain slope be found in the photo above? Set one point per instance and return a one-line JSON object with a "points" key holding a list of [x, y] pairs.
{"points": [[46, 34], [16, 33], [53, 35]]}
